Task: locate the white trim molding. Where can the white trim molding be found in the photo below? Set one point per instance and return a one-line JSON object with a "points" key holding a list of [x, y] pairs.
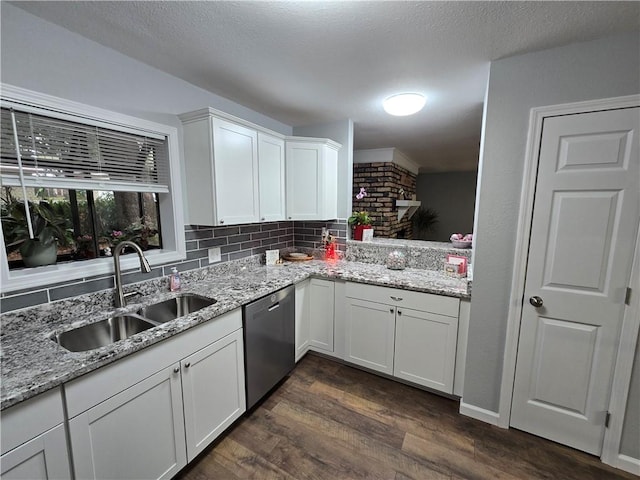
{"points": [[478, 413], [536, 119], [171, 208], [626, 463]]}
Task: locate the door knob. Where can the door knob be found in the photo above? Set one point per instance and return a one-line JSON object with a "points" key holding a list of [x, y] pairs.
{"points": [[536, 301]]}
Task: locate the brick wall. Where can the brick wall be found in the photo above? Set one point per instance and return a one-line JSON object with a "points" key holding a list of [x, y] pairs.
{"points": [[383, 182]]}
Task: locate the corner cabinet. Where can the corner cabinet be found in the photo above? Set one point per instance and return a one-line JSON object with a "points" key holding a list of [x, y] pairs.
{"points": [[312, 178], [34, 442], [234, 171], [407, 334], [148, 415]]}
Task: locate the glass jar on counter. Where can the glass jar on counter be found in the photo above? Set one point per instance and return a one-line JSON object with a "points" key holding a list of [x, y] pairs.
{"points": [[396, 260]]}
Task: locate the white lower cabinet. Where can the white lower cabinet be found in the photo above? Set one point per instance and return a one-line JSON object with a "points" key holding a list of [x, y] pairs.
{"points": [[138, 433], [369, 335], [134, 420], [321, 315], [213, 391], [425, 348], [302, 314], [410, 335], [34, 443]]}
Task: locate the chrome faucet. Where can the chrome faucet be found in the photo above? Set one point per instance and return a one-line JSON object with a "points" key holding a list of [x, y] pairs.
{"points": [[144, 267]]}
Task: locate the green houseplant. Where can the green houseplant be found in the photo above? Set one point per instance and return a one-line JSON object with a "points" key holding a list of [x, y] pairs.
{"points": [[360, 221], [49, 231]]}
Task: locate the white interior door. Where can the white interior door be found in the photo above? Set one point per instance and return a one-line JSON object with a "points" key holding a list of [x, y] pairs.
{"points": [[583, 232]]}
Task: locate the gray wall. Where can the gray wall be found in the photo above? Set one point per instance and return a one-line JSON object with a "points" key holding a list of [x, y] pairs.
{"points": [[341, 132], [583, 71], [452, 195]]}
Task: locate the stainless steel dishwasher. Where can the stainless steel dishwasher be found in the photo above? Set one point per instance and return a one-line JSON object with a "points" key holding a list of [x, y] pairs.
{"points": [[269, 342]]}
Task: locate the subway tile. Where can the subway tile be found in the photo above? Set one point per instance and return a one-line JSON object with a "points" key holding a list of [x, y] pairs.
{"points": [[199, 234], [212, 242], [269, 241], [250, 245], [238, 238], [269, 226], [230, 248], [238, 255], [15, 302], [76, 289], [251, 228], [259, 235], [137, 276], [225, 231], [191, 245], [197, 254]]}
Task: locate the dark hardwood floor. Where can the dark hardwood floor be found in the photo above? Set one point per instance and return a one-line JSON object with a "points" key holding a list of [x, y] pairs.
{"points": [[330, 421]]}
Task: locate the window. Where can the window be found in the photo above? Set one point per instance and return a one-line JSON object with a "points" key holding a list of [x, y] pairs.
{"points": [[76, 181]]}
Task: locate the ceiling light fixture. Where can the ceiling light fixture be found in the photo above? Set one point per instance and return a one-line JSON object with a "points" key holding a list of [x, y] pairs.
{"points": [[403, 104]]}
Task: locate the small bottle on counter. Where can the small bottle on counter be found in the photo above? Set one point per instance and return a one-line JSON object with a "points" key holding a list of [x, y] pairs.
{"points": [[174, 280]]}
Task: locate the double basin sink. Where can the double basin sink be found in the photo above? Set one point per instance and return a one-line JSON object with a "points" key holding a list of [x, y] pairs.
{"points": [[120, 327]]}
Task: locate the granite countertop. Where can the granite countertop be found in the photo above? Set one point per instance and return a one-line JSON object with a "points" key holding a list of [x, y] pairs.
{"points": [[32, 363]]}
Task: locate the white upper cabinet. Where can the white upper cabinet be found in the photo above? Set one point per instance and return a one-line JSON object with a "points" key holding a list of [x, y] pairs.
{"points": [[271, 177], [235, 173], [234, 170], [312, 178]]}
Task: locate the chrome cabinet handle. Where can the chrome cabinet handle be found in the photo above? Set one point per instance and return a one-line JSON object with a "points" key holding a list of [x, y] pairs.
{"points": [[399, 312], [391, 310], [397, 299], [176, 370], [536, 301], [187, 365]]}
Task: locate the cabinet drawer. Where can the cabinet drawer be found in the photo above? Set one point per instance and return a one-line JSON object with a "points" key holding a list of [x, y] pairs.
{"points": [[29, 419], [89, 390], [425, 302]]}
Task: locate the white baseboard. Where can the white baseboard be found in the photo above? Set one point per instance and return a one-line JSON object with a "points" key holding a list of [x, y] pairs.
{"points": [[478, 413], [628, 464]]}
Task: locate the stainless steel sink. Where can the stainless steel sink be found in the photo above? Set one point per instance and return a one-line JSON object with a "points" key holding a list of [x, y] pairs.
{"points": [[104, 332], [110, 330], [176, 307]]}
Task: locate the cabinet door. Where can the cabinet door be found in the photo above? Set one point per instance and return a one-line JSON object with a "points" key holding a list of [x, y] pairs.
{"points": [[321, 307], [271, 177], [426, 348], [303, 324], [369, 334], [304, 164], [138, 433], [44, 457], [235, 160], [213, 391]]}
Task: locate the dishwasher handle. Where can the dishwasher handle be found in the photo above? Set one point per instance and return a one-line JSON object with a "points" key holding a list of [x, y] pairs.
{"points": [[273, 307]]}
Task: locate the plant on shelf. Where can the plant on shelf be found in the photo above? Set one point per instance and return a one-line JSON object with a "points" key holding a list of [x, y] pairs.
{"points": [[424, 221], [359, 218], [49, 230]]}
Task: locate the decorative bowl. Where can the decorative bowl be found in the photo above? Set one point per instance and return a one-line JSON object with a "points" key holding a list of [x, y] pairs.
{"points": [[461, 243]]}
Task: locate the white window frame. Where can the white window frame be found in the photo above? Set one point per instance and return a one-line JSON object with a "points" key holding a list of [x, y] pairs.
{"points": [[171, 212]]}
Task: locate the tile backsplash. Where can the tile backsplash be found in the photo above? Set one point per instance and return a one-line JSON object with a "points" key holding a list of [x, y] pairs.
{"points": [[235, 242]]}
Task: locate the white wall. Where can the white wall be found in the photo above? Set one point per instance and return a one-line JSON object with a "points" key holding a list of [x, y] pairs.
{"points": [[603, 68], [452, 195], [341, 132]]}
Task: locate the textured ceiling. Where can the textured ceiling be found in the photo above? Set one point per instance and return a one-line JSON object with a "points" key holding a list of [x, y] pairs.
{"points": [[304, 63]]}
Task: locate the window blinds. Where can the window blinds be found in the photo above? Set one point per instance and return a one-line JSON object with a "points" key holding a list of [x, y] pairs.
{"points": [[66, 154]]}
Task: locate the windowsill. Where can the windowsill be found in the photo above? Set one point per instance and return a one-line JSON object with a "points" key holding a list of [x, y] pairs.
{"points": [[60, 273]]}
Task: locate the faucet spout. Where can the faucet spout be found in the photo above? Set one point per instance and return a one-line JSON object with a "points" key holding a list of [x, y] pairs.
{"points": [[144, 267]]}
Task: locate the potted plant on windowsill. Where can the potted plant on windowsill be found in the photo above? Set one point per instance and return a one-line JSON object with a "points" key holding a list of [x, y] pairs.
{"points": [[360, 221], [49, 231]]}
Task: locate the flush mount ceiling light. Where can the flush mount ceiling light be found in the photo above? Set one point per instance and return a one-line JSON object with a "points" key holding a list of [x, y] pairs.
{"points": [[403, 104]]}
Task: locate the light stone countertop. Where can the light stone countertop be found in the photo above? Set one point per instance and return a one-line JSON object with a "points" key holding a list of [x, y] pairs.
{"points": [[32, 363]]}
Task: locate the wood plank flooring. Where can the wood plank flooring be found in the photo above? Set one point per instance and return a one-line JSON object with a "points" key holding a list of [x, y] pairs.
{"points": [[331, 421]]}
